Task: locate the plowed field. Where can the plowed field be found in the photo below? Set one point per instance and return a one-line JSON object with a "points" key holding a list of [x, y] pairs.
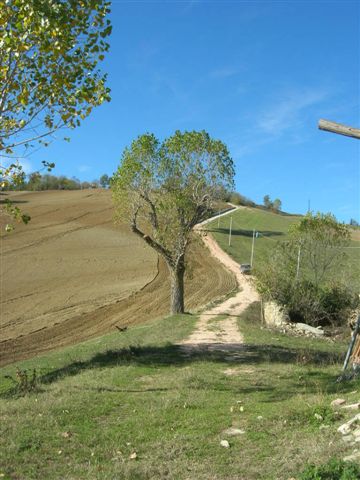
{"points": [[71, 274]]}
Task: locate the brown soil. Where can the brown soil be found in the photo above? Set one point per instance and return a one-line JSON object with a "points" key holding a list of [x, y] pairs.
{"points": [[71, 275]]}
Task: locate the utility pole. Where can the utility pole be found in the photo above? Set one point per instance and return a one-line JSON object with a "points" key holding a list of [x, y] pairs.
{"points": [[298, 263], [355, 133], [252, 248], [339, 128], [230, 231]]}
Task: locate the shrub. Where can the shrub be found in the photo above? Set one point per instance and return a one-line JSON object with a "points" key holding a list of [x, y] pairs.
{"points": [[24, 382], [329, 304], [238, 199], [303, 274], [333, 470]]}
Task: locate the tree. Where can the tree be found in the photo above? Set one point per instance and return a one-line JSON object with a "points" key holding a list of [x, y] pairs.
{"points": [[49, 76], [165, 189], [353, 222], [321, 239], [104, 180], [267, 201], [276, 205], [304, 274]]}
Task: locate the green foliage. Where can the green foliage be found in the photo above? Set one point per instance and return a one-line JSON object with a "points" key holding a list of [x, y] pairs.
{"points": [[165, 189], [104, 180], [171, 186], [24, 382], [333, 470], [267, 201], [49, 52], [49, 75], [274, 205], [15, 213], [316, 293], [315, 415], [320, 238], [238, 199]]}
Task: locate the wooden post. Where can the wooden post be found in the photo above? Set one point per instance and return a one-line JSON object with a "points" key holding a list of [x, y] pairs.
{"points": [[334, 127], [355, 133], [352, 343]]}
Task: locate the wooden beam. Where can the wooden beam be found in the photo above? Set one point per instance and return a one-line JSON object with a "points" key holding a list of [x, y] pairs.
{"points": [[339, 128]]}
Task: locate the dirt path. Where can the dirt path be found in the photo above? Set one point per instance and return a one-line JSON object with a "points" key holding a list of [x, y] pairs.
{"points": [[222, 334]]}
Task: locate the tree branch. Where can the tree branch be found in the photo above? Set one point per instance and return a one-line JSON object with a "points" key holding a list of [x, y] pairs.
{"points": [[150, 241]]}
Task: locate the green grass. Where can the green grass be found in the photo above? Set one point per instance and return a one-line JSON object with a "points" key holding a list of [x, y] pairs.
{"points": [[104, 400], [272, 228]]}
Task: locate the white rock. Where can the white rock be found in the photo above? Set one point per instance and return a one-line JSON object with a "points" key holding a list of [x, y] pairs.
{"points": [[225, 444], [318, 416], [346, 428], [232, 432], [352, 406], [275, 315], [337, 402], [309, 329], [348, 438], [351, 458]]}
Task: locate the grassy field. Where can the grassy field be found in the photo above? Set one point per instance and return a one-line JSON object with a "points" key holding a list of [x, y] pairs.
{"points": [[272, 228], [130, 406], [71, 274]]}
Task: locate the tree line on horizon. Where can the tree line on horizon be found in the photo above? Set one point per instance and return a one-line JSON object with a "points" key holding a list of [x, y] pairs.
{"points": [[37, 182]]}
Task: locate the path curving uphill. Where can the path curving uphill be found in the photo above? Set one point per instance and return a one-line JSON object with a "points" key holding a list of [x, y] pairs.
{"points": [[217, 327]]}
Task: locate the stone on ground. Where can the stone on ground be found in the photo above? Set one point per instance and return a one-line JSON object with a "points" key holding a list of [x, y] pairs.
{"points": [[309, 329], [232, 432], [347, 427], [337, 402], [225, 444]]}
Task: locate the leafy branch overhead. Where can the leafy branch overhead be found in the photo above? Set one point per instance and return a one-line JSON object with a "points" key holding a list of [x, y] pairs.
{"points": [[49, 76], [49, 51]]}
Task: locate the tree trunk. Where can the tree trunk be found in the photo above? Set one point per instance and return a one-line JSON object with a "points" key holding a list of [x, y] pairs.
{"points": [[177, 290]]}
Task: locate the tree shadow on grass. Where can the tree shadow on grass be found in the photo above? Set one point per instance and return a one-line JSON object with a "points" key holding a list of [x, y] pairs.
{"points": [[175, 355], [246, 233]]}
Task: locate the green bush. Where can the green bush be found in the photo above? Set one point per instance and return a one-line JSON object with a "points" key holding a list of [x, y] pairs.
{"points": [[305, 273], [333, 470], [322, 304]]}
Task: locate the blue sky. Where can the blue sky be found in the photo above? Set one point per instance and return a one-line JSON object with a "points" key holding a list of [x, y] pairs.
{"points": [[257, 75]]}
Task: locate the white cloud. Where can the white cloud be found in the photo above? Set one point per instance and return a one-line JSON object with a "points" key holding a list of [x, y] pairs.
{"points": [[223, 72], [84, 168], [287, 112]]}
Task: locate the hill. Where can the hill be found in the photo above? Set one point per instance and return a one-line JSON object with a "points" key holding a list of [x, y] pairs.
{"points": [[71, 274], [271, 228]]}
